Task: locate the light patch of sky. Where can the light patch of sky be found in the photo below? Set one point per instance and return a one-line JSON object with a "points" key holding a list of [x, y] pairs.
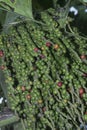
{"points": [[86, 10], [74, 10], [1, 99]]}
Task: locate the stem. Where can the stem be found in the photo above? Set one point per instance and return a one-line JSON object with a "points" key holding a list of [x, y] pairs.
{"points": [[21, 21], [22, 122], [48, 116], [73, 33]]}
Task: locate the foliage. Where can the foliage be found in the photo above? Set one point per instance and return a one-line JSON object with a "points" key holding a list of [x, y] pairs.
{"points": [[43, 74], [23, 7]]}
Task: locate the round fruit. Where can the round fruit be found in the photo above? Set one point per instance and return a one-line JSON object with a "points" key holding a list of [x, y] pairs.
{"points": [[83, 56], [44, 109], [48, 44], [28, 97], [23, 88], [36, 49], [56, 46], [40, 101], [42, 56], [59, 84], [1, 53], [2, 67], [81, 91]]}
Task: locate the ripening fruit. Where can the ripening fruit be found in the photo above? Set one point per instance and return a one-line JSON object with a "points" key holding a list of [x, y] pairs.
{"points": [[40, 101], [56, 46], [28, 96], [2, 67], [59, 84], [83, 56], [48, 44], [42, 56], [42, 48], [44, 109], [23, 88], [1, 53], [81, 91], [36, 49]]}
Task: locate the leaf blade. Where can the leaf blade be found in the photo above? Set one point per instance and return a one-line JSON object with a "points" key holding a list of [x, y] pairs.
{"points": [[22, 7]]}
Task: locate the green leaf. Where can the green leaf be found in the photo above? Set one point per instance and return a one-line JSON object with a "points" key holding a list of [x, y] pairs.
{"points": [[85, 1], [22, 7], [11, 118], [10, 18], [18, 126], [2, 16]]}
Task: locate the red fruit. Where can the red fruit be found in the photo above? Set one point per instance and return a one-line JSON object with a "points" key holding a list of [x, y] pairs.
{"points": [[1, 53], [83, 56], [23, 88], [59, 84], [2, 67], [28, 96], [48, 44], [42, 56], [81, 91], [36, 49], [56, 46]]}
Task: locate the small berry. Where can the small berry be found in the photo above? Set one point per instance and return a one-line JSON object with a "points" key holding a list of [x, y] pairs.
{"points": [[42, 56], [42, 48], [48, 44], [56, 46], [81, 92], [1, 53], [44, 109], [59, 84], [36, 49], [2, 67], [40, 101], [23, 88], [28, 97], [83, 56]]}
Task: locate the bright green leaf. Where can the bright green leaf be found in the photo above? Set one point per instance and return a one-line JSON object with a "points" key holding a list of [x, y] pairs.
{"points": [[85, 1], [10, 18], [22, 7]]}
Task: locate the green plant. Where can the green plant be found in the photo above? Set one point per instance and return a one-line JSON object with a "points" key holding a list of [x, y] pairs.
{"points": [[44, 72]]}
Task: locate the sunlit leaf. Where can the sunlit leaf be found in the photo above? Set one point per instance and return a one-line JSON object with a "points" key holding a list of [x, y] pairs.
{"points": [[85, 1], [22, 7]]}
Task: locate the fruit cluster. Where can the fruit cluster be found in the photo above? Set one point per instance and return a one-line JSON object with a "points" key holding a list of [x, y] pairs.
{"points": [[46, 75]]}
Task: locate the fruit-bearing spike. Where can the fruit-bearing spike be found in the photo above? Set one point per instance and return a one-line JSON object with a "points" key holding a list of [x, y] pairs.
{"points": [[46, 61]]}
